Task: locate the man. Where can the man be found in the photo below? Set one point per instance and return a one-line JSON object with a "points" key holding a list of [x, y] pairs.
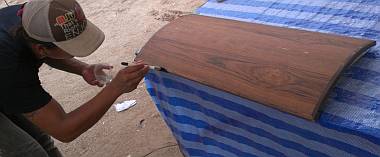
{"points": [[51, 32]]}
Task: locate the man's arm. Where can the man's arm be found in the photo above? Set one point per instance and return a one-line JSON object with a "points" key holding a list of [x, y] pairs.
{"points": [[67, 126], [75, 66], [71, 65]]}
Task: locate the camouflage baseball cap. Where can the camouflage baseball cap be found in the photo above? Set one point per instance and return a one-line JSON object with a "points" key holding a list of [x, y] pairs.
{"points": [[63, 23]]}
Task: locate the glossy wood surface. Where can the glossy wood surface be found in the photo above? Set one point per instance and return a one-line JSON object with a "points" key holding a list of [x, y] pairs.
{"points": [[291, 70]]}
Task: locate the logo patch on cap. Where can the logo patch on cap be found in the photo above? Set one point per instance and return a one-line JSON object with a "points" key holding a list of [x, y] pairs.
{"points": [[66, 24]]}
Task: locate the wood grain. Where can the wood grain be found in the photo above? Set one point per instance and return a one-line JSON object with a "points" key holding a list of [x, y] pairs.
{"points": [[291, 70]]}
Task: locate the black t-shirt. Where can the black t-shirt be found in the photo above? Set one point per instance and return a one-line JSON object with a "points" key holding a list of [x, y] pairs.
{"points": [[20, 87]]}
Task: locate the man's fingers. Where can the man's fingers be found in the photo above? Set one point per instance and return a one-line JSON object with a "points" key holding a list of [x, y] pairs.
{"points": [[137, 74], [128, 79], [94, 82], [97, 83], [133, 68]]}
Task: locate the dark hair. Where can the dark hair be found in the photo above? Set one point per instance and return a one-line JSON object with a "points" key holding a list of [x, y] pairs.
{"points": [[19, 33]]}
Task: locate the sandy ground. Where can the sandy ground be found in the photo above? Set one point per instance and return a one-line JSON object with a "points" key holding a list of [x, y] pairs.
{"points": [[128, 25]]}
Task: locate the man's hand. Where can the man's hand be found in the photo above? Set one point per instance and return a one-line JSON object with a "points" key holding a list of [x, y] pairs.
{"points": [[75, 66], [128, 79], [89, 76]]}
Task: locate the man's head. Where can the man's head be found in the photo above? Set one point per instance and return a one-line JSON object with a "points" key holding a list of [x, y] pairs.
{"points": [[60, 23]]}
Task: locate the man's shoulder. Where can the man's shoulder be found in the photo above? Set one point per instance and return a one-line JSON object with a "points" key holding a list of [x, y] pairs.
{"points": [[8, 15], [9, 48], [9, 21]]}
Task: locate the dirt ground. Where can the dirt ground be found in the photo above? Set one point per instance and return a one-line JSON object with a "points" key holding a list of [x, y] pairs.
{"points": [[139, 131]]}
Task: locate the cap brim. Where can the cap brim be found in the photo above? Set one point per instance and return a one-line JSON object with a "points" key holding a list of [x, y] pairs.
{"points": [[84, 44]]}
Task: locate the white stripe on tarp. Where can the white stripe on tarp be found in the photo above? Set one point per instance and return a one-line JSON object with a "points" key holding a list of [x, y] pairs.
{"points": [[275, 114], [177, 137], [201, 146], [194, 145], [369, 64], [248, 121], [377, 27], [205, 133], [232, 129], [365, 8], [268, 23], [330, 19], [353, 113], [360, 87]]}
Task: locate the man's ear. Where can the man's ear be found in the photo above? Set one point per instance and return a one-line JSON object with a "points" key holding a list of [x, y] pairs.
{"points": [[39, 50]]}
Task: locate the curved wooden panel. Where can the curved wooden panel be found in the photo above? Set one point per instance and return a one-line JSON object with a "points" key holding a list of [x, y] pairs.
{"points": [[288, 69]]}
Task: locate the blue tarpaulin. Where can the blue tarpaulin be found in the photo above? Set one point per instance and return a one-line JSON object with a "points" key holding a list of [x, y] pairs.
{"points": [[210, 122]]}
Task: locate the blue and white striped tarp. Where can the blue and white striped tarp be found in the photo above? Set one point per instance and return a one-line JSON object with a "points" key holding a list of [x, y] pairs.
{"points": [[209, 122]]}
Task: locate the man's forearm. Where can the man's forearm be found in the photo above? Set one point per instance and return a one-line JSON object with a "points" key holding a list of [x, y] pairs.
{"points": [[65, 127], [68, 126], [84, 117], [71, 65]]}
